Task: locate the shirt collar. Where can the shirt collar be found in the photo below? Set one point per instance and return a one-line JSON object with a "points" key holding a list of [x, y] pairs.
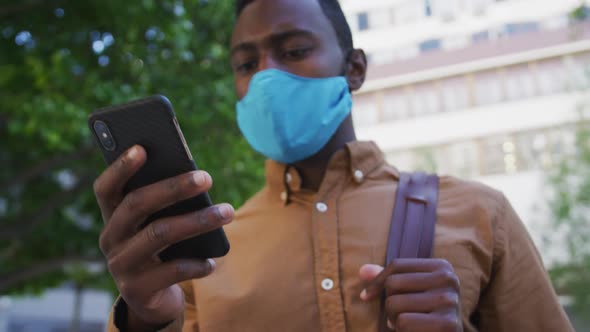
{"points": [[356, 161]]}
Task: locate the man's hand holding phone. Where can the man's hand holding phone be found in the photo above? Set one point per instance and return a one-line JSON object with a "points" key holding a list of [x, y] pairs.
{"points": [[149, 286]]}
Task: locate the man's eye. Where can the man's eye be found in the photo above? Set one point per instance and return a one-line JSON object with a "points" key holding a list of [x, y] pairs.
{"points": [[246, 67], [297, 54]]}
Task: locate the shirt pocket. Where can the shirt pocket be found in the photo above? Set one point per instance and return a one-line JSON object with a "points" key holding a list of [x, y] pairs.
{"points": [[462, 258]]}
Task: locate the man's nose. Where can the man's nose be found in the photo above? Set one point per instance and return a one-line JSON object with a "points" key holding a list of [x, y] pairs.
{"points": [[268, 61]]}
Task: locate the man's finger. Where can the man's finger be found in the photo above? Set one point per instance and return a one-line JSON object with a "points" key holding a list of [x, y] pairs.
{"points": [[167, 274], [417, 265], [420, 322], [403, 266], [377, 285], [162, 233], [138, 205], [368, 272], [427, 302], [108, 187], [421, 282]]}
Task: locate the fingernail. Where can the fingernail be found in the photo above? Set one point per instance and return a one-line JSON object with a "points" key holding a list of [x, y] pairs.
{"points": [[225, 212], [390, 325], [132, 154], [199, 178], [211, 263], [364, 295]]}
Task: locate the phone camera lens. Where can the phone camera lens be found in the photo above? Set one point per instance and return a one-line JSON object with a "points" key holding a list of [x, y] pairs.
{"points": [[104, 135], [108, 143]]}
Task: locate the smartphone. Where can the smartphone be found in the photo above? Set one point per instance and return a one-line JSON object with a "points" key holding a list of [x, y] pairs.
{"points": [[151, 123]]}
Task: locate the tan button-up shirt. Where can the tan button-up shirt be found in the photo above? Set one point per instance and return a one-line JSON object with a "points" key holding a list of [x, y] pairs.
{"points": [[296, 254]]}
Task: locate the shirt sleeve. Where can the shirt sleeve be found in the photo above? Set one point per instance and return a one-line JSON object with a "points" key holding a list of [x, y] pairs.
{"points": [[186, 323], [519, 296]]}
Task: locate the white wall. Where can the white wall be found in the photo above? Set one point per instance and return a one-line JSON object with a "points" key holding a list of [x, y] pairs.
{"points": [[440, 128]]}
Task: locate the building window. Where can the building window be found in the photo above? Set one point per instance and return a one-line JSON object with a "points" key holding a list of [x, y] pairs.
{"points": [[403, 160], [532, 150], [482, 36], [395, 109], [561, 143], [551, 77], [426, 160], [519, 28], [407, 52], [366, 112], [409, 11], [463, 159], [455, 95], [519, 83], [363, 21], [513, 88], [428, 7], [383, 57], [499, 156], [395, 106], [488, 89], [425, 100], [430, 45], [576, 73], [380, 18], [457, 159]]}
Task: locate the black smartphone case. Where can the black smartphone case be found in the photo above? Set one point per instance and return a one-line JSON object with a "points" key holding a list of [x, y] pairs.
{"points": [[151, 123]]}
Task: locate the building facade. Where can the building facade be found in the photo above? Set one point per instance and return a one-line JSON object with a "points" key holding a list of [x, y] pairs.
{"points": [[55, 310], [480, 89]]}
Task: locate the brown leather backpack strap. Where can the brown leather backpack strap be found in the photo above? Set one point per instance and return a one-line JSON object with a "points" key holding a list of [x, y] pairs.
{"points": [[411, 234]]}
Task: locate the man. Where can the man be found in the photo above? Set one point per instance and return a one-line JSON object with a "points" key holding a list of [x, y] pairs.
{"points": [[307, 249]]}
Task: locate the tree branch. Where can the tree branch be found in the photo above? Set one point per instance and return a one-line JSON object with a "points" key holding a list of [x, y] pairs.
{"points": [[16, 8], [10, 250], [23, 6], [45, 165], [45, 211], [3, 120], [9, 280]]}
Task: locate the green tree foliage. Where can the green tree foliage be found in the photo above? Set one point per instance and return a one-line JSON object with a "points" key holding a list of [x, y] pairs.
{"points": [[570, 206], [580, 14], [59, 60]]}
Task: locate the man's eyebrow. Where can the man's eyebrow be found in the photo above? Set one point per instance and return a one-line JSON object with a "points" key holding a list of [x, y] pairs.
{"points": [[243, 47], [280, 37], [273, 39]]}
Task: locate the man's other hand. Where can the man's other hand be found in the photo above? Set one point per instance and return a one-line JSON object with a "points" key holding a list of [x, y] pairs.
{"points": [[422, 295]]}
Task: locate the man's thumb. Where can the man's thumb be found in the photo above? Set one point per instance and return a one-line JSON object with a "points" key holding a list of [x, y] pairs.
{"points": [[368, 272]]}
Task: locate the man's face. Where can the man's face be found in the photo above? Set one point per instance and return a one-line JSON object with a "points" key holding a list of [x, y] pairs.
{"points": [[291, 35]]}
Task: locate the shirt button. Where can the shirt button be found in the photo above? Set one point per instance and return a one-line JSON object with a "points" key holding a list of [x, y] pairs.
{"points": [[321, 207], [288, 177], [284, 196], [358, 176], [327, 284]]}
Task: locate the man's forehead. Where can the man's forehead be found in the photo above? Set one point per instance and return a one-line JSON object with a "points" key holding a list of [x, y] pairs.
{"points": [[264, 17]]}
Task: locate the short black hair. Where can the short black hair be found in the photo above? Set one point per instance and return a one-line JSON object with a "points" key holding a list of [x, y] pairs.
{"points": [[333, 12]]}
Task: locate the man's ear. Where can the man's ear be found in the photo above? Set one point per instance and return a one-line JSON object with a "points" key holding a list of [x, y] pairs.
{"points": [[356, 69]]}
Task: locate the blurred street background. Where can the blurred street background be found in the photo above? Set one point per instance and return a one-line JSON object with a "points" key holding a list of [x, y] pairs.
{"points": [[495, 91]]}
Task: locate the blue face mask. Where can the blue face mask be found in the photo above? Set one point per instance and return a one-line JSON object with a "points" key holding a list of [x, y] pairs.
{"points": [[289, 118]]}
